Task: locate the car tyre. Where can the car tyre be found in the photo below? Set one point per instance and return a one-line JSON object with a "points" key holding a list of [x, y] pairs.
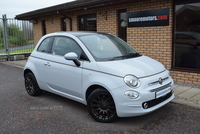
{"points": [[31, 85], [101, 106]]}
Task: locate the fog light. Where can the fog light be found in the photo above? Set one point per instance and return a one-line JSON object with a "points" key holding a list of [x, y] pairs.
{"points": [[145, 105], [131, 94]]}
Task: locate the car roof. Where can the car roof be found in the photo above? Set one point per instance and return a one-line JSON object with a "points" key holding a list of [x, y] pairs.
{"points": [[74, 33]]}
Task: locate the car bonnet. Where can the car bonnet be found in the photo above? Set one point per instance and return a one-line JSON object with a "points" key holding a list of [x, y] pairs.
{"points": [[140, 67]]}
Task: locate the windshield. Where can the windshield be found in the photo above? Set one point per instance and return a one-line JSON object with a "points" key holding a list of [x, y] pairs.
{"points": [[105, 47]]}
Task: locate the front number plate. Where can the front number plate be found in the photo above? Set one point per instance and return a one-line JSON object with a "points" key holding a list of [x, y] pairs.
{"points": [[163, 92]]}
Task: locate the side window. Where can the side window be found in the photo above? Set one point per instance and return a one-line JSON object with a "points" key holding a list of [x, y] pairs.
{"points": [[64, 45], [44, 45]]}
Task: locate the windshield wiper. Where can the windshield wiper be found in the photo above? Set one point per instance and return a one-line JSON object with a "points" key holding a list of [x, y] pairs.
{"points": [[126, 56], [118, 57], [133, 55]]}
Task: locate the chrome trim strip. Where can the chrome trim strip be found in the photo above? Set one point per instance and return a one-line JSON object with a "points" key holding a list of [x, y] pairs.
{"points": [[161, 88]]}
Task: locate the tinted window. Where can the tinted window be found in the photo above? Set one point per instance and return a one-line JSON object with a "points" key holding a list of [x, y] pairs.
{"points": [[87, 22], [187, 36], [64, 45], [184, 37], [44, 45], [122, 22], [44, 28], [63, 24]]}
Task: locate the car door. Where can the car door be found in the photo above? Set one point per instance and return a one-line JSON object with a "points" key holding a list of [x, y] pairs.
{"points": [[63, 76], [38, 58]]}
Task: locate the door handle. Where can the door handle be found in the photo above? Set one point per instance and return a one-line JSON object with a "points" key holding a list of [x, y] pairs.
{"points": [[47, 64]]}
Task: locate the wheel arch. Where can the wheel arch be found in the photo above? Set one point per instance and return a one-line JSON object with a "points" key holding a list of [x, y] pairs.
{"points": [[104, 104], [27, 71], [93, 88]]}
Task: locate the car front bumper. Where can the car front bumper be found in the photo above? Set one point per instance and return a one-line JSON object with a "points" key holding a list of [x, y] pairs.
{"points": [[136, 108], [150, 98]]}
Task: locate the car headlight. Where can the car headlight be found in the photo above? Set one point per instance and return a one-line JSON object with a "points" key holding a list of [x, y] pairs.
{"points": [[131, 81]]}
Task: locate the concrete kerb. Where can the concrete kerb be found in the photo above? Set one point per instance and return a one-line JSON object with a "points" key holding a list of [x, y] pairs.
{"points": [[184, 95], [19, 63], [187, 95]]}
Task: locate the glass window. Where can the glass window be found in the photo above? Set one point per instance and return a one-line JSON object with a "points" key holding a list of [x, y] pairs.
{"points": [[87, 22], [122, 24], [64, 45], [63, 24], [44, 29], [91, 23], [44, 45], [81, 23], [187, 36], [106, 47]]}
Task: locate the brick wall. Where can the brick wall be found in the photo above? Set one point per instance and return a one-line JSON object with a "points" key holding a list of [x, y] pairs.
{"points": [[186, 77], [111, 24], [52, 25], [155, 42], [37, 32]]}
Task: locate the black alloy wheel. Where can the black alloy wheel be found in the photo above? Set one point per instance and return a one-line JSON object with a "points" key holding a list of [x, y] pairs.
{"points": [[101, 106], [31, 85]]}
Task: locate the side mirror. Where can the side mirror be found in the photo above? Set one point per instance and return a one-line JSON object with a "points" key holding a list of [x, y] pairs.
{"points": [[72, 56]]}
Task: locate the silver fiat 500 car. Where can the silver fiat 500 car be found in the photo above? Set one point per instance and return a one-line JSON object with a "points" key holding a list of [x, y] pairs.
{"points": [[99, 70]]}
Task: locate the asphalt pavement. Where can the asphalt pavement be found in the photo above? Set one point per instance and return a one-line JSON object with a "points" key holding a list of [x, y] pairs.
{"points": [[49, 113], [186, 95]]}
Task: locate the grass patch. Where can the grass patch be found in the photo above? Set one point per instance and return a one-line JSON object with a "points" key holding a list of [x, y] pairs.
{"points": [[28, 50]]}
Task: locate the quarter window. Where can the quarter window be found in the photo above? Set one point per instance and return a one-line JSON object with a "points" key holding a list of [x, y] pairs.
{"points": [[44, 45], [187, 36]]}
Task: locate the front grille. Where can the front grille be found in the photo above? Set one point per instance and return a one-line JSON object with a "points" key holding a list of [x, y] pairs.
{"points": [[154, 102], [156, 82]]}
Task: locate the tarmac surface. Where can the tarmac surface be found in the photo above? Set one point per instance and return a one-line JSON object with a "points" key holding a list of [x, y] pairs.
{"points": [[52, 114], [186, 95]]}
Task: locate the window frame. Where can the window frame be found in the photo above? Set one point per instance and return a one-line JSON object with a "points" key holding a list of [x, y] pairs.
{"points": [[82, 55], [119, 24], [84, 26], [174, 41], [44, 27], [49, 45], [63, 24]]}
